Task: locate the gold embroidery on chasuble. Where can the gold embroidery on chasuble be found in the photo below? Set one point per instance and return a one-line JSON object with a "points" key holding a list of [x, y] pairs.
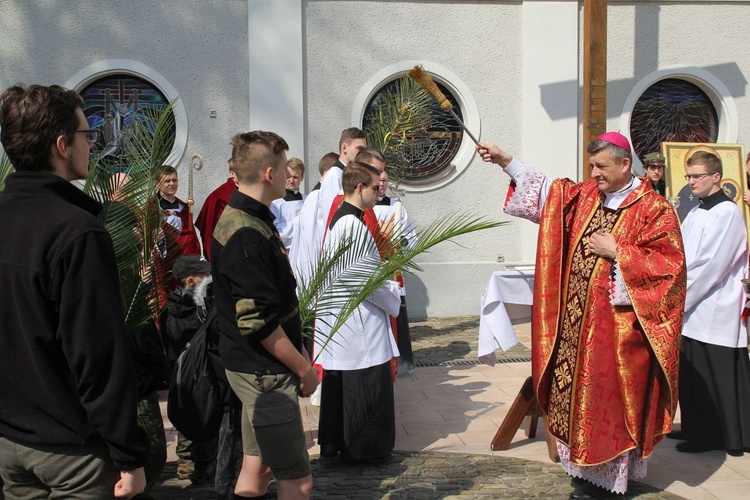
{"points": [[583, 266]]}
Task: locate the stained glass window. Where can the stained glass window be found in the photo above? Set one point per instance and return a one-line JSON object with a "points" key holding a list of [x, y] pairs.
{"points": [[672, 110], [118, 105], [430, 153]]}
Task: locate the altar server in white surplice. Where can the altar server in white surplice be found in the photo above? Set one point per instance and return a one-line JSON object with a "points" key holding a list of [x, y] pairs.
{"points": [[385, 210], [357, 414], [714, 367], [307, 242], [286, 209]]}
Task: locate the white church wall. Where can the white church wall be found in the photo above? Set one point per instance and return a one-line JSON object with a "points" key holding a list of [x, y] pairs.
{"points": [[348, 42], [519, 60], [199, 47], [648, 41]]}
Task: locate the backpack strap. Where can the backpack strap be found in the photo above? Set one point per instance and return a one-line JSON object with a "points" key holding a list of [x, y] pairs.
{"points": [[212, 314]]}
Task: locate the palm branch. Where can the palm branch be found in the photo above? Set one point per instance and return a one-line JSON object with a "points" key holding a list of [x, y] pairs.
{"points": [[6, 167], [130, 212], [349, 273], [127, 190], [398, 114]]}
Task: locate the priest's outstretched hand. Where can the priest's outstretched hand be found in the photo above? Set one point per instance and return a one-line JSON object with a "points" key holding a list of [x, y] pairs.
{"points": [[490, 153]]}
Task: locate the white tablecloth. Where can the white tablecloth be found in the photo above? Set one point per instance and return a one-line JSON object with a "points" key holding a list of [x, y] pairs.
{"points": [[506, 301]]}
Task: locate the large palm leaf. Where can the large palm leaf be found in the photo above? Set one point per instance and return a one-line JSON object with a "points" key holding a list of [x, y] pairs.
{"points": [[127, 189], [348, 273], [397, 115]]}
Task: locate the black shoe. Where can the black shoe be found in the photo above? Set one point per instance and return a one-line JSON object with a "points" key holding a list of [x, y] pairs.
{"points": [[329, 451], [681, 435], [588, 491], [688, 447], [734, 453], [577, 482], [381, 460]]}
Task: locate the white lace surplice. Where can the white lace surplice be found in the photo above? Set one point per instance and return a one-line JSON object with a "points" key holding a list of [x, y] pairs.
{"points": [[612, 475]]}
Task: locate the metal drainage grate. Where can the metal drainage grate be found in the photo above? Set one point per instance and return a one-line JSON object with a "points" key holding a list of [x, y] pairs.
{"points": [[470, 362]]}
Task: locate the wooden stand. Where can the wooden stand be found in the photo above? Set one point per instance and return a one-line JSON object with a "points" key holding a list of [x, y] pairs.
{"points": [[524, 405]]}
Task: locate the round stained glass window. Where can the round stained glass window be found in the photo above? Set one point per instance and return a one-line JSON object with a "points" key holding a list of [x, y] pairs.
{"points": [[121, 107], [430, 152], [672, 110]]}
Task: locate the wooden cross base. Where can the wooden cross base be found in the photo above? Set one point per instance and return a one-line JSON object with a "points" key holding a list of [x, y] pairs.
{"points": [[524, 405]]}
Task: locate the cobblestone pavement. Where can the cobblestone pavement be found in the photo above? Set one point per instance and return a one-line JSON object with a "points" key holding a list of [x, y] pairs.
{"points": [[443, 341], [428, 474]]}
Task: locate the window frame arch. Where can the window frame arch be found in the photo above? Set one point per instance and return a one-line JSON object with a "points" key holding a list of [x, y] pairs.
{"points": [[469, 110], [717, 92], [110, 67]]}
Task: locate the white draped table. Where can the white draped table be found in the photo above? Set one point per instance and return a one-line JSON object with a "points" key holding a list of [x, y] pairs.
{"points": [[506, 301]]}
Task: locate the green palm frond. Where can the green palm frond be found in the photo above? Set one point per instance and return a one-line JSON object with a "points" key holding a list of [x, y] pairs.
{"points": [[126, 188], [352, 271], [6, 167], [398, 115], [130, 212]]}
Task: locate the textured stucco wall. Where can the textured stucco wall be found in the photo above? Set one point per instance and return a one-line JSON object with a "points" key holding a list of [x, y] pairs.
{"points": [[644, 37], [199, 47], [348, 42]]}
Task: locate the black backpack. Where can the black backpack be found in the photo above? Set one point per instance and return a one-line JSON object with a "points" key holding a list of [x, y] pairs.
{"points": [[198, 387]]}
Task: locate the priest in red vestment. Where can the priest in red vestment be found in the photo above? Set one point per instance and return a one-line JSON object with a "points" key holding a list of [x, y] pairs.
{"points": [[609, 296], [211, 211]]}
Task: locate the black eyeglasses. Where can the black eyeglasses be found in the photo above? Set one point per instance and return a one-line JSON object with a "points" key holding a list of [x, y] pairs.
{"points": [[374, 187], [697, 177], [92, 135]]}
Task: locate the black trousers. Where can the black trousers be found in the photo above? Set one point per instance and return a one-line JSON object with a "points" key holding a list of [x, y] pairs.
{"points": [[357, 413], [715, 394]]}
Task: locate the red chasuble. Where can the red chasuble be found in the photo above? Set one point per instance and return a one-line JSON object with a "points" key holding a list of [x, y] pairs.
{"points": [[606, 376], [188, 240], [211, 211]]}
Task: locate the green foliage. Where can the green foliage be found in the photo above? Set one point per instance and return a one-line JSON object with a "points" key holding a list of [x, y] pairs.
{"points": [[399, 114], [6, 167], [346, 275], [126, 188]]}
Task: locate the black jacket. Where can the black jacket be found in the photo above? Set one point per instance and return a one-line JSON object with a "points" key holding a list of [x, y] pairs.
{"points": [[66, 376], [183, 321], [254, 288]]}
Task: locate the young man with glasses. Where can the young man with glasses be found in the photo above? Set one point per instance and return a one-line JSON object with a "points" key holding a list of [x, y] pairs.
{"points": [[68, 421], [357, 413], [385, 210], [714, 365]]}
